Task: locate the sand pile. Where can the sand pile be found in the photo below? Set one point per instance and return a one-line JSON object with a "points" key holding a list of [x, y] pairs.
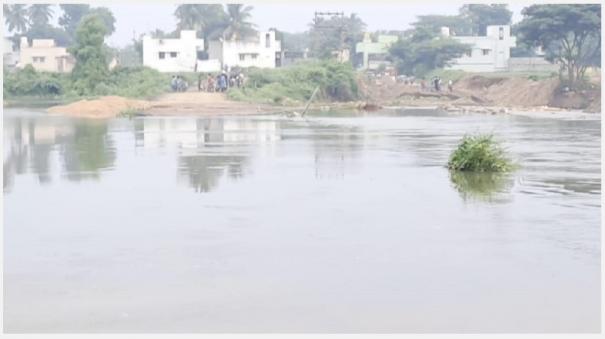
{"points": [[102, 108]]}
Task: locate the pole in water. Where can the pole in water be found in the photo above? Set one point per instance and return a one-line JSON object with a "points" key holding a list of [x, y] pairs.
{"points": [[309, 101]]}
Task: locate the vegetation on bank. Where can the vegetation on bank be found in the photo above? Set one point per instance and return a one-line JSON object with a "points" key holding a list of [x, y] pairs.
{"points": [[480, 153], [295, 84], [137, 82]]}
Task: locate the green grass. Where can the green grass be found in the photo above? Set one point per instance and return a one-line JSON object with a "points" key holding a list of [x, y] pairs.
{"points": [[480, 153]]}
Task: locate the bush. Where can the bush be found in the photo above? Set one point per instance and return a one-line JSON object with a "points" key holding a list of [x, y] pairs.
{"points": [[137, 82], [337, 82], [28, 82], [128, 82], [479, 154]]}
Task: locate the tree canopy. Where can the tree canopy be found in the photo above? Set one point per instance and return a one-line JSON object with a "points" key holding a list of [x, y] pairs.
{"points": [[91, 54], [571, 34], [39, 14], [238, 24], [335, 33], [415, 56], [15, 17]]}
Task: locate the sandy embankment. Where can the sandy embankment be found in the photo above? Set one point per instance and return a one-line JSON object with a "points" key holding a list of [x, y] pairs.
{"points": [[484, 94], [102, 108], [188, 103]]}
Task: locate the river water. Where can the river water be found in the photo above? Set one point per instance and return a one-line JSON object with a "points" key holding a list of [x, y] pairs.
{"points": [[344, 223]]}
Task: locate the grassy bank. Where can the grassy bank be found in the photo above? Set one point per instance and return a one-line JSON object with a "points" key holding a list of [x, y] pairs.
{"points": [[295, 84], [29, 87]]}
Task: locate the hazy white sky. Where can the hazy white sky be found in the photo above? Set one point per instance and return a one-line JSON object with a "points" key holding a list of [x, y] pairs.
{"points": [[292, 16]]}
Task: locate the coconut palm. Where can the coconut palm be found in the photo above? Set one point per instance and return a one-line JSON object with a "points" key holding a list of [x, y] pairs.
{"points": [[188, 17], [239, 27], [39, 14], [15, 17]]}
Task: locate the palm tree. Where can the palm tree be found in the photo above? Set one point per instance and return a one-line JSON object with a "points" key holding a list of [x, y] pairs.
{"points": [[15, 17], [188, 17], [39, 14], [239, 27]]}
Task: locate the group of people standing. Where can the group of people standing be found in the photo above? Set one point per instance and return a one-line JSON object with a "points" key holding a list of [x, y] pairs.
{"points": [[178, 84], [220, 82]]}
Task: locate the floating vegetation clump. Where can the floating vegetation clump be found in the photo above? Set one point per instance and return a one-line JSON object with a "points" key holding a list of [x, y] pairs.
{"points": [[480, 153]]}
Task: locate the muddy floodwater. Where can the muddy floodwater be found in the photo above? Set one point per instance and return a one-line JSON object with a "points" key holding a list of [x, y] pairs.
{"points": [[342, 223]]}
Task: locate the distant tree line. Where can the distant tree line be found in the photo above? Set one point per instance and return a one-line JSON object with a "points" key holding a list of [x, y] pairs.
{"points": [[33, 21]]}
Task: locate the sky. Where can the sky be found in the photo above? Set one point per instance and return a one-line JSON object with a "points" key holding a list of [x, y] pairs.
{"points": [[135, 18]]}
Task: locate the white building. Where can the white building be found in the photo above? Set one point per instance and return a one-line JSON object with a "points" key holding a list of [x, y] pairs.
{"points": [[173, 55], [489, 53], [45, 56], [263, 51]]}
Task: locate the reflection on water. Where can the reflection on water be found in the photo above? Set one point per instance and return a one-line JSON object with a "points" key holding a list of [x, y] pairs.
{"points": [[352, 223], [487, 187], [85, 148], [205, 171], [87, 151]]}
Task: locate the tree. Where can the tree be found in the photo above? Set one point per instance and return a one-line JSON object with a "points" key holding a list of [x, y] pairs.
{"points": [[334, 34], [570, 34], [107, 17], [457, 24], [479, 16], [208, 20], [418, 57], [188, 17], [15, 17], [39, 14], [238, 26], [91, 55], [72, 14]]}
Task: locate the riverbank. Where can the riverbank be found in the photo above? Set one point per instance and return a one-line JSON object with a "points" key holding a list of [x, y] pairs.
{"points": [[485, 94], [472, 93]]}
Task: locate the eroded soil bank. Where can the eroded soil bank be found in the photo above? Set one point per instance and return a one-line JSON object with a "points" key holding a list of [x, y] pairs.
{"points": [[477, 92]]}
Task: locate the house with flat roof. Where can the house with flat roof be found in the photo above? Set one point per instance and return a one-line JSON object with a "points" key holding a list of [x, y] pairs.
{"points": [[489, 53], [45, 56], [374, 52], [173, 55], [262, 50]]}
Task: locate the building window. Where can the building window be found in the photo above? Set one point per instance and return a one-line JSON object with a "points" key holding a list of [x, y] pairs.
{"points": [[501, 33], [162, 55], [254, 56], [242, 57], [202, 55], [468, 53], [38, 59], [267, 40], [485, 51], [173, 54]]}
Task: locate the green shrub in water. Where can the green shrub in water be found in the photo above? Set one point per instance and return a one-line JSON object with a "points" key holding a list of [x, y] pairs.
{"points": [[479, 154]]}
